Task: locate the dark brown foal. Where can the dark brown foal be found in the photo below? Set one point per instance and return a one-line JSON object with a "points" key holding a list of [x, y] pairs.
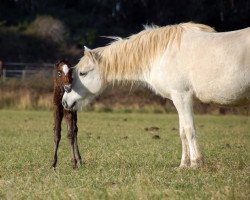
{"points": [[62, 82]]}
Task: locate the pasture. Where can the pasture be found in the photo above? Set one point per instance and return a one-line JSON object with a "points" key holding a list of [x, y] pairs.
{"points": [[125, 158]]}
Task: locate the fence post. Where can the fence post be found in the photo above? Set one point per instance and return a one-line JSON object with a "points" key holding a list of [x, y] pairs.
{"points": [[2, 71], [23, 74], [1, 68], [4, 74]]}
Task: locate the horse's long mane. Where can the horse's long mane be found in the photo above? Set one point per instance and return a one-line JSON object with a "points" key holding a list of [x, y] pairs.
{"points": [[131, 56]]}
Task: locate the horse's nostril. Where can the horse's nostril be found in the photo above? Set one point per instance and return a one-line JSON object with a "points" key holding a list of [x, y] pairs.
{"points": [[67, 88], [73, 104], [64, 103]]}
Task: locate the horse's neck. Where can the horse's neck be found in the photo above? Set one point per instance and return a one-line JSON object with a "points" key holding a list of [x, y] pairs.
{"points": [[124, 76]]}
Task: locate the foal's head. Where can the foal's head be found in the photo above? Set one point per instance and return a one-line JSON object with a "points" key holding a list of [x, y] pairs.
{"points": [[63, 75]]}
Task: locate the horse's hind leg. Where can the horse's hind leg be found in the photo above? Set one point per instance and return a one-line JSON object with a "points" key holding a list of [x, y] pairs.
{"points": [[71, 136], [184, 105], [58, 115], [77, 152]]}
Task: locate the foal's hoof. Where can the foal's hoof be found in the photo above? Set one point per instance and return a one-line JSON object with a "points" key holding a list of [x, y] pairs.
{"points": [[74, 163], [53, 165], [81, 162]]}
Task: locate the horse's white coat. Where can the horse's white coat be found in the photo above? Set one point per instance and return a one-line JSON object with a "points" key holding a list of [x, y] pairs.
{"points": [[212, 67], [65, 69]]}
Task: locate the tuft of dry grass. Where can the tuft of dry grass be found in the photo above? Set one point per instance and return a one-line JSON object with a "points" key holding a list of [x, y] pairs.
{"points": [[36, 93], [33, 93], [25, 100]]}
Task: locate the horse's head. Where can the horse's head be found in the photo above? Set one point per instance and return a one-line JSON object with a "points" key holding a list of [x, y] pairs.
{"points": [[87, 82], [63, 75]]}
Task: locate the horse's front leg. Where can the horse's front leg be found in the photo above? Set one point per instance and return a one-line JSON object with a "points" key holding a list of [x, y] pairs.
{"points": [[77, 152], [71, 136], [185, 157], [184, 105], [58, 115]]}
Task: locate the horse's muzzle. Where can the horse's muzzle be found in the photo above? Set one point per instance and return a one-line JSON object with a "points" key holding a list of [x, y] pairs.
{"points": [[66, 106]]}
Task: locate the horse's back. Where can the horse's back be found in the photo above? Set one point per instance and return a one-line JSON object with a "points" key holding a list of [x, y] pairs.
{"points": [[219, 67]]}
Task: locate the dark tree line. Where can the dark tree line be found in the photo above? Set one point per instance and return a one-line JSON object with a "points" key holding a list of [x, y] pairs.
{"points": [[85, 20]]}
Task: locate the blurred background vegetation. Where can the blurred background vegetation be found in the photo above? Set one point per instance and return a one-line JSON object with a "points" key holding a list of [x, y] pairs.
{"points": [[48, 30], [45, 30]]}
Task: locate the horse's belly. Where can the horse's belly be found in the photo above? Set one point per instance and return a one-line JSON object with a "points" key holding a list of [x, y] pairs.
{"points": [[224, 80], [225, 100], [231, 94]]}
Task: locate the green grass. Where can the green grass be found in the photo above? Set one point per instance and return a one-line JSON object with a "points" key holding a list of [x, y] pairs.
{"points": [[123, 161]]}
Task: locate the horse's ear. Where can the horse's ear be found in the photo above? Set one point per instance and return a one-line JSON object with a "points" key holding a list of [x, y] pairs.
{"points": [[86, 49], [93, 55]]}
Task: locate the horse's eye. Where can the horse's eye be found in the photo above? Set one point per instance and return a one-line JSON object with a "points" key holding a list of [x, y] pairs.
{"points": [[59, 73], [83, 73]]}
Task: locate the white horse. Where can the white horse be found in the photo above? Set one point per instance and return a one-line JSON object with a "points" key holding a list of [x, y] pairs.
{"points": [[179, 62]]}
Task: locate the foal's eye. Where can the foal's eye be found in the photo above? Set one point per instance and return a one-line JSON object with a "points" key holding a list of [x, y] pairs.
{"points": [[83, 73], [59, 73]]}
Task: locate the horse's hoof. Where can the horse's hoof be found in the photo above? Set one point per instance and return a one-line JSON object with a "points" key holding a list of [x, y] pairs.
{"points": [[185, 164], [197, 164], [183, 167]]}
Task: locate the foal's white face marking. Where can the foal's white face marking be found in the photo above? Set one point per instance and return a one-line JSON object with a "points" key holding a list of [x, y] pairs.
{"points": [[65, 69]]}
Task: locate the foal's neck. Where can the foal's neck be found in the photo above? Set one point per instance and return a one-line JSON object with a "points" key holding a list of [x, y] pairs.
{"points": [[58, 94]]}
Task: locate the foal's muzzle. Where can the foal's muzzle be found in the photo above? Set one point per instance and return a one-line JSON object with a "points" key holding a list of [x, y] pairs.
{"points": [[67, 88]]}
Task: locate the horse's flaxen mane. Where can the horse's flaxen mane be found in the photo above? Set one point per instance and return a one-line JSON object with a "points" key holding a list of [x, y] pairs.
{"points": [[129, 57]]}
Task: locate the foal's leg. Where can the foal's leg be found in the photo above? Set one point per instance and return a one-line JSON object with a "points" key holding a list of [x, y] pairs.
{"points": [[70, 126], [184, 105], [77, 152], [58, 115]]}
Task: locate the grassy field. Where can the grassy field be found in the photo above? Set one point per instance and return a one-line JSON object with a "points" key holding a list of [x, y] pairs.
{"points": [[123, 160]]}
